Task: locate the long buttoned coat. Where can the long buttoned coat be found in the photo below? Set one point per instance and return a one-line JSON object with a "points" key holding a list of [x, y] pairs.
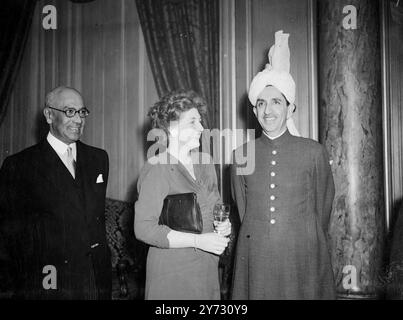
{"points": [[284, 205]]}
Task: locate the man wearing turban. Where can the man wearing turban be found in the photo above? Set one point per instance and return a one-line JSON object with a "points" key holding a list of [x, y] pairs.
{"points": [[285, 204]]}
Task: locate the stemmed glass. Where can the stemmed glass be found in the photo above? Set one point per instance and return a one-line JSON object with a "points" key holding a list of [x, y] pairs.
{"points": [[220, 213]]}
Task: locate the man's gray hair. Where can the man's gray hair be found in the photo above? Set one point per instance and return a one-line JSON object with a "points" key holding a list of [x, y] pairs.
{"points": [[51, 97]]}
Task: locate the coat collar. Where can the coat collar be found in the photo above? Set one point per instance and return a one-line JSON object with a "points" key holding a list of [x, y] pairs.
{"points": [[284, 139], [52, 160], [60, 147], [172, 160], [52, 168]]}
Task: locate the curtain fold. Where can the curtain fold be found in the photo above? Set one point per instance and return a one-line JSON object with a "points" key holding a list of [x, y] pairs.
{"points": [[182, 41], [98, 49], [15, 23]]}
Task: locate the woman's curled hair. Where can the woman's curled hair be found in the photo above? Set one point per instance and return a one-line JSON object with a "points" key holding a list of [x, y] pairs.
{"points": [[170, 107]]}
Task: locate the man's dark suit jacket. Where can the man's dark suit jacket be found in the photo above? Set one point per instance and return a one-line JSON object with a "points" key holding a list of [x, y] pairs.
{"points": [[49, 218]]}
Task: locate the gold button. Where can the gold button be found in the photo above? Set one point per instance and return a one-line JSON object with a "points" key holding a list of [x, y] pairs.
{"points": [[272, 209], [272, 186], [273, 174], [273, 163], [274, 152], [272, 198], [273, 221]]}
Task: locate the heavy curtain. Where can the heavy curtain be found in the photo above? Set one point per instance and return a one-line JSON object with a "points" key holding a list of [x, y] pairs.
{"points": [[97, 48], [182, 41], [15, 22]]}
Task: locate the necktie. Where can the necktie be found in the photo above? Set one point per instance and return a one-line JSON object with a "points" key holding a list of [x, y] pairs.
{"points": [[70, 162]]}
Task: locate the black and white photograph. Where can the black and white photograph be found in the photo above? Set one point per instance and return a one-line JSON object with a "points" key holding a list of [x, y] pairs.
{"points": [[215, 151]]}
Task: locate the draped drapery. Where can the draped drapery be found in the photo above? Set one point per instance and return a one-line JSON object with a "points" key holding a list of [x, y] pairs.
{"points": [[15, 22], [182, 41]]}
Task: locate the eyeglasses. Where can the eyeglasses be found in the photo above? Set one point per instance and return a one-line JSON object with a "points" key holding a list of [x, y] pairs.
{"points": [[71, 112]]}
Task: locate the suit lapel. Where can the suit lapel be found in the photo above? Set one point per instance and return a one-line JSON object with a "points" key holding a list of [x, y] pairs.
{"points": [[86, 173], [185, 173], [52, 168], [83, 167]]}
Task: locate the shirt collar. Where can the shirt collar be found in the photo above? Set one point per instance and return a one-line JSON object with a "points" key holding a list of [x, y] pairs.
{"points": [[285, 138], [273, 138], [60, 147]]}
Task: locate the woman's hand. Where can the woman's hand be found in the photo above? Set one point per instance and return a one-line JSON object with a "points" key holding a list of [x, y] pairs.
{"points": [[211, 242], [223, 228]]}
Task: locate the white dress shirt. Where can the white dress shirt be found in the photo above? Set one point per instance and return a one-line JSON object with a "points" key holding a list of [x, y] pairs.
{"points": [[61, 148]]}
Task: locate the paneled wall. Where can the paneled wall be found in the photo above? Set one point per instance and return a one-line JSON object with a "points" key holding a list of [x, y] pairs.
{"points": [[98, 48], [248, 28]]}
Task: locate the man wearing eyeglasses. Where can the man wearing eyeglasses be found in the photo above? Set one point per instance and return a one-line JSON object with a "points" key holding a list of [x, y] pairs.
{"points": [[52, 204]]}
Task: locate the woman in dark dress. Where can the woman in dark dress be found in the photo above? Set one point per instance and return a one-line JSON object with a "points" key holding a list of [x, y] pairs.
{"points": [[179, 265]]}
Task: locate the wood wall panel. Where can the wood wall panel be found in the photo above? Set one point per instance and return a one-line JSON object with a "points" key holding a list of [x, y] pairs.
{"points": [[97, 48], [292, 17], [254, 25], [247, 30]]}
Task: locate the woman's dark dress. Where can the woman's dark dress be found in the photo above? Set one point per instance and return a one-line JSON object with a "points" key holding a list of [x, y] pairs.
{"points": [[184, 273]]}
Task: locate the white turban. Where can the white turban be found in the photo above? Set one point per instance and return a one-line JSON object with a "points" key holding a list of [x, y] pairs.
{"points": [[276, 74]]}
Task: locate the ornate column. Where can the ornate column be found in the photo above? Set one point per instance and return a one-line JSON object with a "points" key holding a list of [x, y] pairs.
{"points": [[350, 126]]}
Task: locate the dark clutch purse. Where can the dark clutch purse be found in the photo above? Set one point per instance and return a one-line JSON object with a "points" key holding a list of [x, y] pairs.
{"points": [[181, 212]]}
